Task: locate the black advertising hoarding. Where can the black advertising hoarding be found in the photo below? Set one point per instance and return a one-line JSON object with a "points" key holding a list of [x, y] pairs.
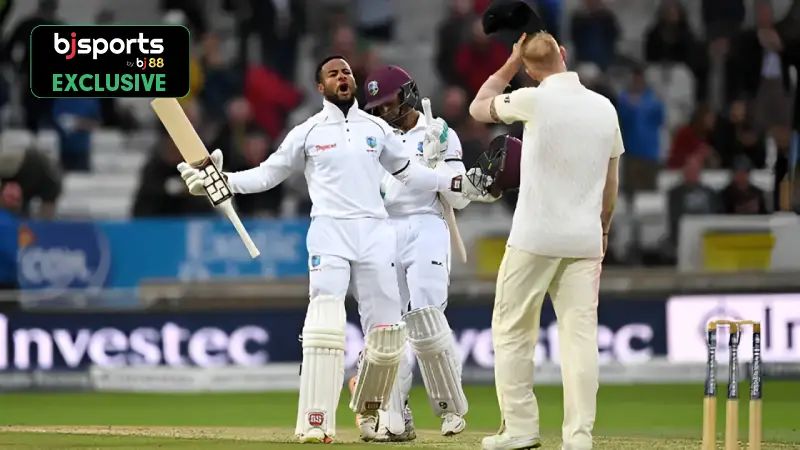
{"points": [[109, 61], [629, 332]]}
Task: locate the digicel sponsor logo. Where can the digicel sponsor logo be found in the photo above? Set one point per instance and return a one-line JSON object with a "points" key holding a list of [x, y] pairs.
{"points": [[100, 46]]}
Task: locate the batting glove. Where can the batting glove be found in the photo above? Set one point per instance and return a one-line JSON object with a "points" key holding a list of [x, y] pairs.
{"points": [[194, 178], [476, 186], [434, 144]]}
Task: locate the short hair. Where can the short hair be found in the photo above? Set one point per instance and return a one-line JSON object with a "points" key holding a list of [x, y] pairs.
{"points": [[318, 72], [541, 50]]}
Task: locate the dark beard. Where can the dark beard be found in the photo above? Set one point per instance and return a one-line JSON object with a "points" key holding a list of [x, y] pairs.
{"points": [[343, 105]]}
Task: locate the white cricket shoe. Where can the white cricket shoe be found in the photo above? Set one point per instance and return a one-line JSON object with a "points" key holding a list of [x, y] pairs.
{"points": [[409, 434], [315, 436], [368, 425], [452, 424], [507, 442]]}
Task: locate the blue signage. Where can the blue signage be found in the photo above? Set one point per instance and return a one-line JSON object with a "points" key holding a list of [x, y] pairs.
{"points": [[57, 255]]}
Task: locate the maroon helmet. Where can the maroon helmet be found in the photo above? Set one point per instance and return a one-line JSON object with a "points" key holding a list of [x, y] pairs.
{"points": [[386, 83], [500, 162]]}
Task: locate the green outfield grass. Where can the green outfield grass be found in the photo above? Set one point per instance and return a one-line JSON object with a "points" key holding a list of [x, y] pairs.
{"points": [[629, 417]]}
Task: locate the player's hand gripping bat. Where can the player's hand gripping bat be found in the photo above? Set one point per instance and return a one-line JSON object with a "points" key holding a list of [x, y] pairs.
{"points": [[449, 214], [194, 152]]}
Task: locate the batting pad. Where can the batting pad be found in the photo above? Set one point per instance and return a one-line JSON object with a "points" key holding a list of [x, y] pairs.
{"points": [[392, 418], [377, 370], [432, 341], [322, 372]]}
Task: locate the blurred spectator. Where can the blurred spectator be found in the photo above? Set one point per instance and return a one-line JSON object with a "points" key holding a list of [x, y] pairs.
{"points": [[550, 10], [193, 11], [594, 33], [375, 19], [112, 113], [782, 191], [693, 139], [594, 79], [10, 203], [479, 58], [37, 110], [255, 150], [671, 40], [30, 175], [722, 17], [757, 71], [451, 33], [75, 118], [734, 136], [690, 197], [641, 116], [740, 196], [271, 99], [475, 138], [221, 82], [454, 107], [231, 137], [279, 25], [161, 191]]}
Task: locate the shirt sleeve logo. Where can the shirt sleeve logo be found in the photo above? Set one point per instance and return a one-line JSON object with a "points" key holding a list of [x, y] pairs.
{"points": [[419, 147], [507, 99]]}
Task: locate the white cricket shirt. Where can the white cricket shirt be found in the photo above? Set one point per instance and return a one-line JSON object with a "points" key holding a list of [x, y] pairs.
{"points": [[401, 200], [343, 159], [570, 135]]}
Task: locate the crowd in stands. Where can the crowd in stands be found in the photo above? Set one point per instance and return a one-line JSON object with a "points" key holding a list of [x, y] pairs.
{"points": [[740, 103]]}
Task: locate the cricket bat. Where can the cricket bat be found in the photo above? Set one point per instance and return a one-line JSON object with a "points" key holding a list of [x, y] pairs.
{"points": [[449, 214], [194, 152]]}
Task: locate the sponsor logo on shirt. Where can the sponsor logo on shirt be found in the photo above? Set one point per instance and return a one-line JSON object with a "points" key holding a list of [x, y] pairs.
{"points": [[325, 147], [507, 99], [372, 143], [419, 147]]}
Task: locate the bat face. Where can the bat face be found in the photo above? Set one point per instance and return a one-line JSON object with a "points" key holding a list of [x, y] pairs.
{"points": [[192, 149], [180, 129]]}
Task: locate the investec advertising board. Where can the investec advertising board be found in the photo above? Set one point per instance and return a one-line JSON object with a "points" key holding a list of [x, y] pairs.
{"points": [[779, 314], [630, 332]]}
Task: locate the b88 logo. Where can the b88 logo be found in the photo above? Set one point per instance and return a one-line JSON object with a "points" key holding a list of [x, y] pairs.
{"points": [[152, 63]]}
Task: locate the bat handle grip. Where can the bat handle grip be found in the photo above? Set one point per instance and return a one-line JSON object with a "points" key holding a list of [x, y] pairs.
{"points": [[230, 213]]}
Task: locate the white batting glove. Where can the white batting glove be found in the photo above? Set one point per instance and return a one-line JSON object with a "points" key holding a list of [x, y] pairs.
{"points": [[194, 177], [434, 144], [480, 192]]}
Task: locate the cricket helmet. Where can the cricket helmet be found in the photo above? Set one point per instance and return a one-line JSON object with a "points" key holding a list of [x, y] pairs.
{"points": [[501, 163], [386, 83], [517, 16]]}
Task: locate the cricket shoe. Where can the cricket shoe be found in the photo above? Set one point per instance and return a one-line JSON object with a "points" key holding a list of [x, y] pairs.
{"points": [[504, 441], [452, 424], [409, 434], [315, 436], [368, 425]]}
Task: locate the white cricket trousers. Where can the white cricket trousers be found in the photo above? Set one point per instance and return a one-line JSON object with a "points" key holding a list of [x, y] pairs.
{"points": [[358, 254], [573, 284], [423, 260]]}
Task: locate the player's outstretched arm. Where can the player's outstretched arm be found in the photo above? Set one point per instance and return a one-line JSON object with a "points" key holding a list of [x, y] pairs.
{"points": [[288, 158]]}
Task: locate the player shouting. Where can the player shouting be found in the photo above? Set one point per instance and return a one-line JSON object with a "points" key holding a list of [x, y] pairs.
{"points": [[342, 151]]}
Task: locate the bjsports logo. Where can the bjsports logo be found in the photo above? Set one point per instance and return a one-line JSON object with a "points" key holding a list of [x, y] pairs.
{"points": [[100, 46], [61, 256], [109, 61]]}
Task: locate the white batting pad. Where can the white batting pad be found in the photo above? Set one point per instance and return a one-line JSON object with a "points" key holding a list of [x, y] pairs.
{"points": [[392, 419], [322, 372], [377, 369], [432, 341]]}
